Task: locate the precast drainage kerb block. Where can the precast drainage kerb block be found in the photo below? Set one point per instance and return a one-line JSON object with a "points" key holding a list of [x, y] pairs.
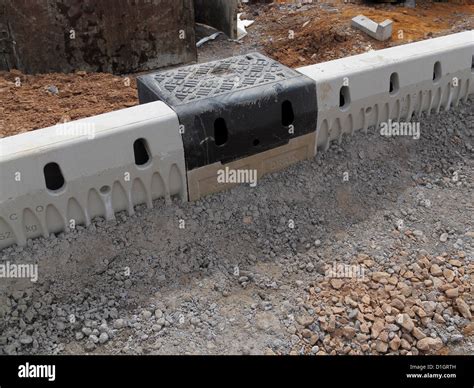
{"points": [[235, 107]]}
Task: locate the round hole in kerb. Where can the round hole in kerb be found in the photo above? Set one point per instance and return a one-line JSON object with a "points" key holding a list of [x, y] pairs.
{"points": [[53, 177], [256, 142], [368, 110], [105, 190], [394, 83], [437, 73], [344, 97]]}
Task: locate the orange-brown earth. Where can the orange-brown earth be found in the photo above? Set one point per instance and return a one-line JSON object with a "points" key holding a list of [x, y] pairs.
{"points": [[27, 104], [323, 32]]}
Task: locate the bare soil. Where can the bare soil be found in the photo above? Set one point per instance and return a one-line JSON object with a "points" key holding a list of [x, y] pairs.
{"points": [[27, 104], [323, 32]]}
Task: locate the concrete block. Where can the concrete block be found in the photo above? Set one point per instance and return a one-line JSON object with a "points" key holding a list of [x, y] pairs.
{"points": [[119, 36], [382, 31], [56, 178], [206, 180]]}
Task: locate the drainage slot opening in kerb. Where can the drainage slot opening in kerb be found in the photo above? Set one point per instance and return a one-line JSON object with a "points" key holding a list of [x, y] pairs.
{"points": [[472, 64], [53, 177], [140, 150], [220, 132], [287, 114], [437, 72], [344, 97], [394, 84]]}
